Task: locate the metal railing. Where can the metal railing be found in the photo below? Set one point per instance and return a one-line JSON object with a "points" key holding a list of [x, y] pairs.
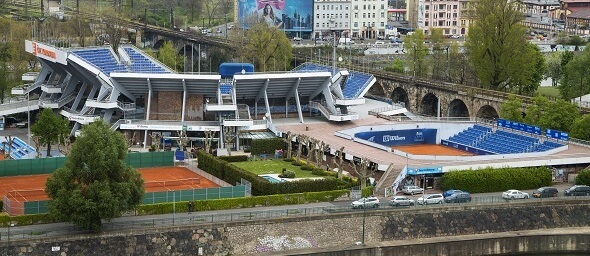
{"points": [[182, 219]]}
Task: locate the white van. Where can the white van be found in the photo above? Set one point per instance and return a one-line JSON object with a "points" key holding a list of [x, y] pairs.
{"points": [[345, 40]]}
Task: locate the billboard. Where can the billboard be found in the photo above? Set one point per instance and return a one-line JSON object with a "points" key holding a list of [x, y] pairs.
{"points": [[400, 137], [288, 15]]}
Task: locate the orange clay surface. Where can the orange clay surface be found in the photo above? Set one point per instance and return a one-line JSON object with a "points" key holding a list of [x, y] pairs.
{"points": [[435, 150], [31, 187]]}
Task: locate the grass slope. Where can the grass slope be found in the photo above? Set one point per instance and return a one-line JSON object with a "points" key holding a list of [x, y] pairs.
{"points": [[273, 166]]}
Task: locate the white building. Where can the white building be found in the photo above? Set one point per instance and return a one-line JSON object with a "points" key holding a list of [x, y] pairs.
{"points": [[332, 15], [369, 18]]}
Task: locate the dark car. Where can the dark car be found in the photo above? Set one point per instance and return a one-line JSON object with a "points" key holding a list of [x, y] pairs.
{"points": [[450, 192], [577, 190], [459, 197], [545, 192]]}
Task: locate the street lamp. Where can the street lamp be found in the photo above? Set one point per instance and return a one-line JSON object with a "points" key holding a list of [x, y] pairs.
{"points": [[364, 216]]}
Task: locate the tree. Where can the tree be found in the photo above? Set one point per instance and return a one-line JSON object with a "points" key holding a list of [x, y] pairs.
{"points": [[268, 48], [229, 135], [397, 66], [94, 184], [562, 37], [581, 128], [416, 52], [363, 170], [338, 161], [169, 57], [289, 140], [497, 45], [50, 128], [576, 78], [534, 112], [439, 54], [559, 115], [554, 68], [80, 28], [512, 109], [583, 177], [459, 66], [576, 41]]}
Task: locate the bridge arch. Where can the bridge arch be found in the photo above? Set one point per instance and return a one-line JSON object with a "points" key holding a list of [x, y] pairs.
{"points": [[487, 112], [399, 94], [458, 108], [429, 105]]}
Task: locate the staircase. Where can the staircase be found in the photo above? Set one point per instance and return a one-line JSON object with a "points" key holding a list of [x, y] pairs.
{"points": [[386, 180]]}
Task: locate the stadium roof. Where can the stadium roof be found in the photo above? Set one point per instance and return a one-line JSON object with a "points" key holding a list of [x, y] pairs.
{"points": [[139, 83], [281, 85]]}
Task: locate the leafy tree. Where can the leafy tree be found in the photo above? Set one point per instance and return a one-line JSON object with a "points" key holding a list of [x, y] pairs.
{"points": [[439, 54], [559, 115], [50, 128], [512, 109], [459, 66], [94, 183], [80, 28], [168, 55], [562, 37], [576, 41], [576, 78], [583, 177], [416, 52], [268, 48], [554, 68], [4, 76], [396, 66], [581, 128], [534, 112], [498, 48]]}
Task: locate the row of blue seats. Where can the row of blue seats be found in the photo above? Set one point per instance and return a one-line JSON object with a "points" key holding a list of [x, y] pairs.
{"points": [[280, 109], [516, 136], [460, 140], [19, 148], [481, 128], [225, 88], [141, 63]]}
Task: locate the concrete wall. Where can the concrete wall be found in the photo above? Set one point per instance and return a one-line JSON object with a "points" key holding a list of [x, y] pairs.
{"points": [[324, 233]]}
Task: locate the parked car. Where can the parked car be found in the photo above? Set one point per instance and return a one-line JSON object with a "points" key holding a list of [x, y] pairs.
{"points": [[401, 201], [430, 199], [458, 197], [455, 36], [577, 190], [450, 192], [412, 190], [545, 192], [297, 38], [21, 125], [366, 202], [515, 194], [379, 42], [380, 37], [396, 40]]}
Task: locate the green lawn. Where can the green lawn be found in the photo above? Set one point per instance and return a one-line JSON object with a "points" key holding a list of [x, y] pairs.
{"points": [[549, 91], [273, 166]]}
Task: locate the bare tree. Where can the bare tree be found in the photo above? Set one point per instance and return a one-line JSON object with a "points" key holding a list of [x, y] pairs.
{"points": [[362, 170], [322, 146], [229, 135], [130, 138], [80, 28], [37, 140], [209, 135], [65, 145], [9, 142], [338, 160], [313, 143], [156, 140], [289, 140], [303, 140], [182, 139]]}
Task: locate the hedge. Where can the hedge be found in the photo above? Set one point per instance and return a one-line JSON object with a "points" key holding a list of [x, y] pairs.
{"points": [[495, 180], [22, 220], [583, 177], [233, 174], [230, 159], [267, 146], [243, 202]]}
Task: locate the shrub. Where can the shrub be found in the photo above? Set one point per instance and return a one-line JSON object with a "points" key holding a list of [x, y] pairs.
{"points": [[288, 160], [287, 174], [495, 180], [267, 146], [320, 172], [583, 177], [230, 159], [308, 167], [367, 191], [296, 163]]}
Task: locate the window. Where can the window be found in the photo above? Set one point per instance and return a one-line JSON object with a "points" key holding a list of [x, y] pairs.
{"points": [[454, 7], [382, 15], [356, 15], [373, 15], [364, 15], [426, 7], [382, 6], [317, 16], [317, 7], [346, 15], [426, 15], [454, 24], [382, 24], [317, 25], [323, 7], [356, 24], [426, 23], [364, 6]]}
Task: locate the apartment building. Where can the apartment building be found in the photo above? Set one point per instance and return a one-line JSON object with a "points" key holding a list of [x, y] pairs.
{"points": [[443, 15], [369, 18], [332, 15]]}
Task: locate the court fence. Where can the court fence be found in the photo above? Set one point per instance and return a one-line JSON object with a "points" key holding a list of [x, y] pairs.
{"points": [[48, 165], [15, 206]]}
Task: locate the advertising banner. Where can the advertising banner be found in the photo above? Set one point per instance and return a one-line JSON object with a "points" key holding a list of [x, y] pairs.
{"points": [[557, 134], [400, 137], [288, 15], [518, 126]]}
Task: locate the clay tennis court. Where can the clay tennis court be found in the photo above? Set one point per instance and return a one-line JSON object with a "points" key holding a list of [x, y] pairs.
{"points": [[432, 149], [31, 187]]}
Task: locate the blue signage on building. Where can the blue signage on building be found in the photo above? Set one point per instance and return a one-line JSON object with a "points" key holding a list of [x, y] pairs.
{"points": [[519, 126], [400, 137], [424, 170], [557, 134]]}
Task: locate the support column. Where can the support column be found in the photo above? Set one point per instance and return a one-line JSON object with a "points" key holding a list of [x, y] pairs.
{"points": [[183, 101], [286, 108], [255, 109], [438, 108], [267, 106], [79, 96], [149, 106], [299, 111]]}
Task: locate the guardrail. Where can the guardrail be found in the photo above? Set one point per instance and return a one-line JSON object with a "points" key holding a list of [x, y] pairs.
{"points": [[64, 229]]}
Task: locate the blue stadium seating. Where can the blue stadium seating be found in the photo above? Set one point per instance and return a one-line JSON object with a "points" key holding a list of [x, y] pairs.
{"points": [[102, 58], [19, 148], [142, 64], [353, 85], [225, 88], [501, 142]]}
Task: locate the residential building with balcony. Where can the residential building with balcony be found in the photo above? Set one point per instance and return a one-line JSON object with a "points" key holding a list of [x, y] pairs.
{"points": [[369, 18], [332, 15], [443, 15]]}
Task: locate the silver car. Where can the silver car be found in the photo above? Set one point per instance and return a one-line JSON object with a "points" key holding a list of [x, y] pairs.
{"points": [[431, 199], [412, 190], [367, 202], [401, 201]]}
